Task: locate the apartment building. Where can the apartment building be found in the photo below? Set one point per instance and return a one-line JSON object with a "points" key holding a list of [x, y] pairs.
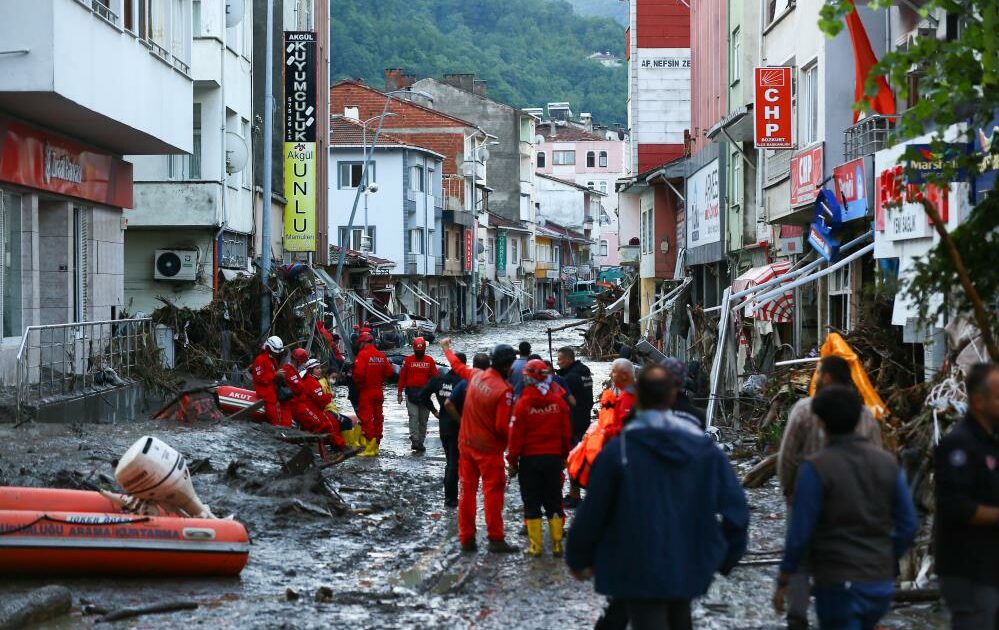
{"points": [[67, 121]]}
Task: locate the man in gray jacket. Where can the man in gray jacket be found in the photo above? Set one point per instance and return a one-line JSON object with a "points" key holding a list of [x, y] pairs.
{"points": [[804, 436]]}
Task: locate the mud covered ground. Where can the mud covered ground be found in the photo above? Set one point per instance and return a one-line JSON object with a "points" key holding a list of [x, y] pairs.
{"points": [[392, 561]]}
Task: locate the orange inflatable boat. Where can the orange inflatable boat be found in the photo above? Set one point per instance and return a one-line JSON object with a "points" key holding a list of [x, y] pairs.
{"points": [[233, 399], [62, 532]]}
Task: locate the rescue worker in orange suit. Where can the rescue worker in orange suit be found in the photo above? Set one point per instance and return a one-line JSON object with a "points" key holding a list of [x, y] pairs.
{"points": [[482, 438], [310, 405], [417, 370], [539, 443], [293, 381], [264, 373], [371, 368]]}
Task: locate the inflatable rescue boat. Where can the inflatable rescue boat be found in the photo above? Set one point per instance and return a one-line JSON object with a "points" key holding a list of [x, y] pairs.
{"points": [[48, 531], [234, 399], [35, 542]]}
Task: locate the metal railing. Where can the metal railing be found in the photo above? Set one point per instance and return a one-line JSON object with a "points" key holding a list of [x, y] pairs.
{"points": [[867, 136], [101, 9], [65, 361]]}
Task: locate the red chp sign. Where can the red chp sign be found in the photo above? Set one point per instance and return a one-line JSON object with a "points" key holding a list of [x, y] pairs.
{"points": [[37, 159], [468, 250], [773, 111], [806, 175]]}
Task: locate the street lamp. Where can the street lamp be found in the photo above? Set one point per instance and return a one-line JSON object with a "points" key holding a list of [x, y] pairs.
{"points": [[368, 187], [357, 197]]}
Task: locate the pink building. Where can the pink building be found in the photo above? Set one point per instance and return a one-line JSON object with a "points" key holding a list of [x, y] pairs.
{"points": [[588, 159]]}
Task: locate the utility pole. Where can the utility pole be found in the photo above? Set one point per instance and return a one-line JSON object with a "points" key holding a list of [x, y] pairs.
{"points": [[265, 203]]}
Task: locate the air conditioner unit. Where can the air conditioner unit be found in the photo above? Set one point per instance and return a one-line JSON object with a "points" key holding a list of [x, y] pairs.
{"points": [[178, 265]]}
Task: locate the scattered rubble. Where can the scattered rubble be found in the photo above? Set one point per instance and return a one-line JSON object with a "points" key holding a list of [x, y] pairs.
{"points": [[36, 607]]}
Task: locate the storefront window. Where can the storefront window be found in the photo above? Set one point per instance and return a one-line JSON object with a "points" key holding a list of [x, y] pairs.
{"points": [[10, 250]]}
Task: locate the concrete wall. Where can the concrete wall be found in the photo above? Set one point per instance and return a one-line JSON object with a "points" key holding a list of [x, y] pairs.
{"points": [[497, 119], [142, 290], [561, 204], [96, 72]]}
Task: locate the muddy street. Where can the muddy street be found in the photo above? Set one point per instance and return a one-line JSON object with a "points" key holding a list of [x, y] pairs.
{"points": [[391, 560]]}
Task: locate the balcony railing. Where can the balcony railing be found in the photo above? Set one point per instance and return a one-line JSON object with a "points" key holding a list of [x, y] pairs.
{"points": [[867, 136], [630, 254]]}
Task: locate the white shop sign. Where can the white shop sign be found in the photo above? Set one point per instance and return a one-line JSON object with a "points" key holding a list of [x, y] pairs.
{"points": [[703, 207]]}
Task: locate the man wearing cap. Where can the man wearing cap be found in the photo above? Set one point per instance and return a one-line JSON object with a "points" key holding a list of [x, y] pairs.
{"points": [[417, 370], [485, 426], [371, 368]]}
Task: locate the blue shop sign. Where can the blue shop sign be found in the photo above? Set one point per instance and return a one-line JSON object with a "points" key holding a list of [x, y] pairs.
{"points": [[987, 152], [823, 235]]}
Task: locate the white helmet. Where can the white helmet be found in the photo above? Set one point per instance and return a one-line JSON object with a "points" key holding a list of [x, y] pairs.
{"points": [[311, 363], [274, 344]]}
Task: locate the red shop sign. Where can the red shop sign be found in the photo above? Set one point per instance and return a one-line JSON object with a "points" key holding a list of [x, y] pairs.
{"points": [[468, 250], [38, 159], [806, 175], [773, 113]]}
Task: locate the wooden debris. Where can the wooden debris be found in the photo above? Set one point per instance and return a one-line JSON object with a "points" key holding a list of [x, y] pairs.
{"points": [[761, 473], [152, 609]]}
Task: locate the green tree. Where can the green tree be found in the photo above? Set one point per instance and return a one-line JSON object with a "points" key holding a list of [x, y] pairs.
{"points": [[529, 51], [958, 85]]}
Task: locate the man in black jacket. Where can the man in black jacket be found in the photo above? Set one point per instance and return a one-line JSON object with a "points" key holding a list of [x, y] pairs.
{"points": [[967, 497], [578, 379]]}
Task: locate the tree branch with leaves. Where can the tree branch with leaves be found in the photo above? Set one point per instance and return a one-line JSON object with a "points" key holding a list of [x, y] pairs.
{"points": [[958, 92]]}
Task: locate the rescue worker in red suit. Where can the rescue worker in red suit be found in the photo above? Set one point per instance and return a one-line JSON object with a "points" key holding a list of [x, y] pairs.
{"points": [[417, 370], [482, 439], [264, 373], [371, 368], [293, 381], [310, 405], [540, 438]]}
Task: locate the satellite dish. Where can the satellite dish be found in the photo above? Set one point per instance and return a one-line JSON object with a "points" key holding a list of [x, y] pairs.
{"points": [[236, 153], [234, 10], [484, 154], [539, 139]]}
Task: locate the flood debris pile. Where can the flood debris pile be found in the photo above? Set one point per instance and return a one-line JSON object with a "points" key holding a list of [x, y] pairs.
{"points": [[605, 337], [223, 337]]}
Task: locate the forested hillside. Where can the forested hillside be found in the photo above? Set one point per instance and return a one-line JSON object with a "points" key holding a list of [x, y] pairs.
{"points": [[529, 51], [616, 9]]}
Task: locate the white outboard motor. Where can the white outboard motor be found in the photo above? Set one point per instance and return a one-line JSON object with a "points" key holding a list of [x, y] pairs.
{"points": [[153, 471]]}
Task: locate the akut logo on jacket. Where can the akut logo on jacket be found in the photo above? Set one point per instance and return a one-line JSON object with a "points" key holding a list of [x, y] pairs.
{"points": [[549, 408]]}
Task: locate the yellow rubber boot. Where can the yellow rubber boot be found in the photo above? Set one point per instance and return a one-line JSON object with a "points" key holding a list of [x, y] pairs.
{"points": [[350, 435], [361, 440], [556, 527], [371, 450], [533, 536]]}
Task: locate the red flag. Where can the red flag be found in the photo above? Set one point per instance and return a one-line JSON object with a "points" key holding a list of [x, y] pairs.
{"points": [[864, 59]]}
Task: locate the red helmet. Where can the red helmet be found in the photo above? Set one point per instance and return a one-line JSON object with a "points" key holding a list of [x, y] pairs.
{"points": [[537, 369], [419, 343], [356, 327], [299, 355], [366, 337]]}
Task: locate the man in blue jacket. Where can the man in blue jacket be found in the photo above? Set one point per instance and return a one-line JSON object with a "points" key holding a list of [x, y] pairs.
{"points": [[649, 529], [851, 517]]}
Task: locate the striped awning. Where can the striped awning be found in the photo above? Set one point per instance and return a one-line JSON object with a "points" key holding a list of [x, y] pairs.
{"points": [[780, 309]]}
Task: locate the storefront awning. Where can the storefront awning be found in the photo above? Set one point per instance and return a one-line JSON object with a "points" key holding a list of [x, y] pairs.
{"points": [[778, 309]]}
